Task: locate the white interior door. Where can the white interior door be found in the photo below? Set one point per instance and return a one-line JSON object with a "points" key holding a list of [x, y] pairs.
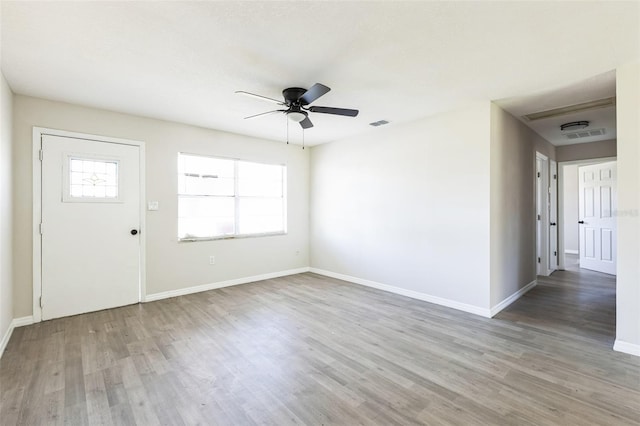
{"points": [[90, 225], [539, 203], [553, 216], [598, 200]]}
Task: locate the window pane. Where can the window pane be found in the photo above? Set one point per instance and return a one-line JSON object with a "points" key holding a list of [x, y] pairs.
{"points": [[200, 217], [259, 180], [93, 178], [260, 215], [205, 175]]}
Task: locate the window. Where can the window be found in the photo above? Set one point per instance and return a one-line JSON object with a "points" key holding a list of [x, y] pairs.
{"points": [[93, 178], [87, 179], [220, 198]]}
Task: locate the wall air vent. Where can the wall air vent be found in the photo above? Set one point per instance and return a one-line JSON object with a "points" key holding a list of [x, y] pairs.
{"points": [[379, 123], [584, 134], [585, 106]]}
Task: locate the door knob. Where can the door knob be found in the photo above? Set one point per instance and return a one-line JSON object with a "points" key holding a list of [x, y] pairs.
{"points": [[581, 222], [134, 231]]}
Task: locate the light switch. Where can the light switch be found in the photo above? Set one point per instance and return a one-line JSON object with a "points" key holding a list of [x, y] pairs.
{"points": [[153, 206]]}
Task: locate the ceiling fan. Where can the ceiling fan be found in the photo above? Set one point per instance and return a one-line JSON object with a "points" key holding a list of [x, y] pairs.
{"points": [[296, 101]]}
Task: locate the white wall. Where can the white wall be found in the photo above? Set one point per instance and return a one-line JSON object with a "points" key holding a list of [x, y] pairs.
{"points": [[570, 214], [628, 272], [513, 219], [170, 265], [6, 207], [408, 206]]}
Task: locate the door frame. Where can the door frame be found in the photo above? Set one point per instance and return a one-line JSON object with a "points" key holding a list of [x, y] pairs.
{"points": [[561, 178], [38, 132], [542, 266], [552, 205]]}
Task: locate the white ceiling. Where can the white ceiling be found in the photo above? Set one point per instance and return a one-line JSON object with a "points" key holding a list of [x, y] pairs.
{"points": [[399, 61]]}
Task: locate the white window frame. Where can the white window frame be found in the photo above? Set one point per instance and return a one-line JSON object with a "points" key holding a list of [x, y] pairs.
{"points": [[237, 198]]}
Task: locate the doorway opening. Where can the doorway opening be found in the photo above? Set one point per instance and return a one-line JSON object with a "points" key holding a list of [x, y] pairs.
{"points": [[546, 176], [587, 203]]}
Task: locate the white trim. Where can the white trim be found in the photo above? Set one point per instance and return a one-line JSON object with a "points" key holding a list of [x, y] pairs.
{"points": [[5, 338], [38, 132], [626, 347], [22, 321], [567, 251], [221, 284], [515, 296], [17, 322], [408, 293]]}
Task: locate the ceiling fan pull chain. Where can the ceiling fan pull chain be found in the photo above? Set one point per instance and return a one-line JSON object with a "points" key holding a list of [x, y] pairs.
{"points": [[287, 131], [302, 138]]}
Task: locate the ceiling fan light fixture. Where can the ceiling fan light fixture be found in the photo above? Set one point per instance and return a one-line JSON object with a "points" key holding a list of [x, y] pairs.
{"points": [[296, 116], [574, 125]]}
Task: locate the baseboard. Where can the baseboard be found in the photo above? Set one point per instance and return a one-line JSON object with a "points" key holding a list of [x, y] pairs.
{"points": [[408, 293], [221, 284], [626, 347], [567, 251], [17, 322], [515, 296]]}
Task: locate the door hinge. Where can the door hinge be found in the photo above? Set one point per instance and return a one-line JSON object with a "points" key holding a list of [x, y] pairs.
{"points": [[554, 176], [41, 228], [538, 172], [538, 260], [41, 155], [40, 301], [538, 217], [555, 253]]}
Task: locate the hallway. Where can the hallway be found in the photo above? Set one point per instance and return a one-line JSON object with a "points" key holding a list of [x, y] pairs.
{"points": [[573, 304]]}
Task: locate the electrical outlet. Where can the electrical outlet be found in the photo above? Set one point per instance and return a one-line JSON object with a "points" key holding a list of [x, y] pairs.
{"points": [[212, 260]]}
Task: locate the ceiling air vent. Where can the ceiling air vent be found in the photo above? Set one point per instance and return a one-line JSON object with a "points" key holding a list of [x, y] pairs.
{"points": [[379, 123], [584, 134]]}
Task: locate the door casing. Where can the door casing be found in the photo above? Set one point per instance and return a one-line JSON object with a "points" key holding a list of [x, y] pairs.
{"points": [[38, 132]]}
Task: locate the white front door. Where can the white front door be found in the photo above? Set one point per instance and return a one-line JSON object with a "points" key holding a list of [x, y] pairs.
{"points": [[597, 203], [90, 225], [553, 216]]}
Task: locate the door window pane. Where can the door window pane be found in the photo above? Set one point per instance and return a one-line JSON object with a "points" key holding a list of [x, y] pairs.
{"points": [[90, 178]]}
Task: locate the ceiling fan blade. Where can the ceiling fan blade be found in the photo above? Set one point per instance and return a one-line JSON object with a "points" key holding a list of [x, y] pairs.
{"points": [[265, 113], [335, 111], [314, 93], [264, 98], [306, 123]]}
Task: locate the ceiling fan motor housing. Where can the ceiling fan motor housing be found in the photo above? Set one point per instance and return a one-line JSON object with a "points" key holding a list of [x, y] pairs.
{"points": [[292, 96]]}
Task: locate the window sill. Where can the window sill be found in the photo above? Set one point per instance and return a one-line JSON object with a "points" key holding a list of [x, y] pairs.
{"points": [[230, 237]]}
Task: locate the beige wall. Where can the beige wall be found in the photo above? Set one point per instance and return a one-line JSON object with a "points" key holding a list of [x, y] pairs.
{"points": [[513, 221], [586, 151], [6, 207], [628, 272], [170, 265], [401, 204]]}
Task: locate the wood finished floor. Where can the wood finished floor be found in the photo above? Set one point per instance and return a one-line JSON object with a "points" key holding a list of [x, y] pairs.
{"points": [[306, 349]]}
